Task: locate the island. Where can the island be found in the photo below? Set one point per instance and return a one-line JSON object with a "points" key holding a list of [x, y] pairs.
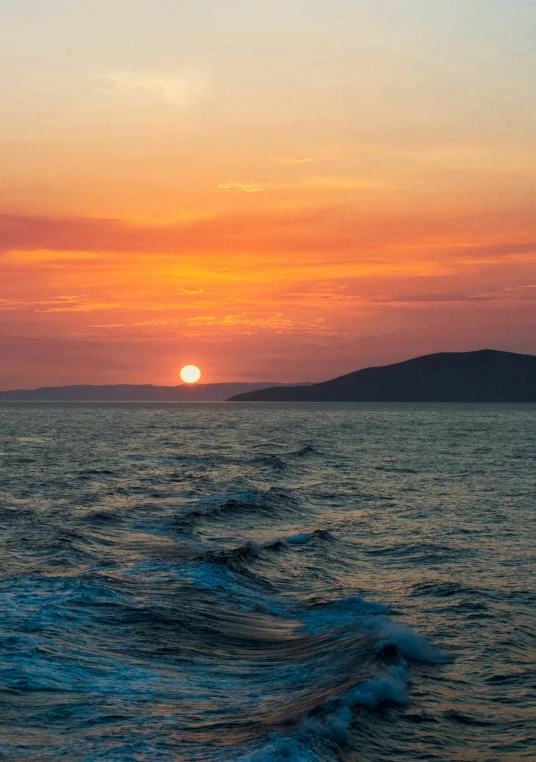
{"points": [[486, 375], [131, 393]]}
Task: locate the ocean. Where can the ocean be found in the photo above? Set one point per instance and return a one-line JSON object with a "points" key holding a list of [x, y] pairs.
{"points": [[256, 583]]}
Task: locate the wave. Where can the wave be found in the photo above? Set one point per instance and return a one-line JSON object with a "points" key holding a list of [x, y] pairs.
{"points": [[280, 678], [269, 460], [250, 550], [444, 589], [418, 552], [280, 461], [87, 473], [303, 452], [103, 517], [411, 645], [272, 501]]}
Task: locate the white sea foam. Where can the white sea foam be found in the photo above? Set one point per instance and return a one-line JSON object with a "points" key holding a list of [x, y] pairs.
{"points": [[335, 724], [412, 646]]}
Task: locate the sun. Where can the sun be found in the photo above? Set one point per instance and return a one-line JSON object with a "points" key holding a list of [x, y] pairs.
{"points": [[190, 374]]}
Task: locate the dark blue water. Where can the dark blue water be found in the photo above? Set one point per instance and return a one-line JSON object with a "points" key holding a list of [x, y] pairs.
{"points": [[241, 582]]}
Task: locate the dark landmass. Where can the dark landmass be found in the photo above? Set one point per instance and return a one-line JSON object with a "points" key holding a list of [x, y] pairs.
{"points": [[484, 376], [131, 393]]}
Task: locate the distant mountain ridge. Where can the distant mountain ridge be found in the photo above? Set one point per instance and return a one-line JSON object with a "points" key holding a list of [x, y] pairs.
{"points": [[486, 375], [132, 393]]}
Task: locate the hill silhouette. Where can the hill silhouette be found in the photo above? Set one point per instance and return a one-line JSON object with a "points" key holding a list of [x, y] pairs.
{"points": [[484, 376], [131, 393]]}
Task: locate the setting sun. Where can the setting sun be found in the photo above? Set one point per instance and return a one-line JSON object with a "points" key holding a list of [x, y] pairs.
{"points": [[190, 374]]}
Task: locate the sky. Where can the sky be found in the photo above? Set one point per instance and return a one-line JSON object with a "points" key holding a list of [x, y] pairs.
{"points": [[274, 190]]}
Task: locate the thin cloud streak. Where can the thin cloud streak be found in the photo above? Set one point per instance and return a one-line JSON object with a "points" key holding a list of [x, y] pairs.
{"points": [[242, 187], [58, 304], [291, 159]]}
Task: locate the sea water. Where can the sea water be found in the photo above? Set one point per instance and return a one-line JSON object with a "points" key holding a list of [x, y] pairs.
{"points": [[224, 582]]}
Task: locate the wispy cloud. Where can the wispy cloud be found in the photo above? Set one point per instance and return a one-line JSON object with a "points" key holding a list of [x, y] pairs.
{"points": [[242, 187], [274, 320], [435, 298], [181, 88], [251, 322], [139, 324], [291, 159], [57, 304], [83, 307]]}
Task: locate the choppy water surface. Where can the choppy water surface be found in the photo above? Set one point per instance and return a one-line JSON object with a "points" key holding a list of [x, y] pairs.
{"points": [[241, 582]]}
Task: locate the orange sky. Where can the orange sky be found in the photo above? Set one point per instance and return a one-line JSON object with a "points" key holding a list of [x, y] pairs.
{"points": [[270, 191]]}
